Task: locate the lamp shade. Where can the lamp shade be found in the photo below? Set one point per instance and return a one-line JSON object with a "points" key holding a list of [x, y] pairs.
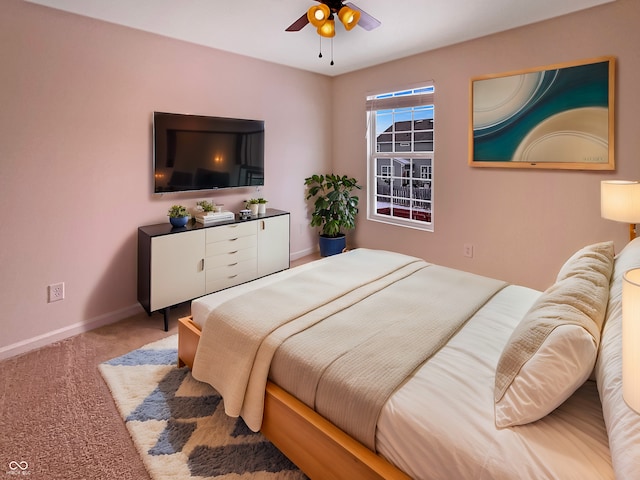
{"points": [[349, 17], [318, 15], [328, 28], [620, 200], [631, 338]]}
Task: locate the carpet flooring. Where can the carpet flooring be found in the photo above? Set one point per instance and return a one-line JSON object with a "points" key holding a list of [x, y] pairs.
{"points": [[179, 426], [57, 416]]}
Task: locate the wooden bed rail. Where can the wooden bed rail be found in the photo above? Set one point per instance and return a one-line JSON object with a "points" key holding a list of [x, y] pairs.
{"points": [[188, 339], [319, 448]]}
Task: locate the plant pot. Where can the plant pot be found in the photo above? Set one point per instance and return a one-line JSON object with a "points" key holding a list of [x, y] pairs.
{"points": [[262, 208], [254, 208], [178, 221], [332, 245]]}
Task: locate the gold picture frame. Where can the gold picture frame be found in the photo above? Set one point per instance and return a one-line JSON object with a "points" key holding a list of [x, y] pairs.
{"points": [[559, 116]]}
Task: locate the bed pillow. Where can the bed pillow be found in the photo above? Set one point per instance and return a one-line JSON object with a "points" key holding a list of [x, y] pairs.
{"points": [[553, 349], [569, 268]]}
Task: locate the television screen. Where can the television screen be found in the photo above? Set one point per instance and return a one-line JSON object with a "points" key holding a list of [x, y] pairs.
{"points": [[192, 152]]}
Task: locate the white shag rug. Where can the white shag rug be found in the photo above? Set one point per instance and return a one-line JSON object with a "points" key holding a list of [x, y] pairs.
{"points": [[179, 426]]}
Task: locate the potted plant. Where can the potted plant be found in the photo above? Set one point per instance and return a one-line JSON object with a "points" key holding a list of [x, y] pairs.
{"points": [[253, 204], [335, 209], [208, 208], [178, 215], [262, 206], [205, 206]]}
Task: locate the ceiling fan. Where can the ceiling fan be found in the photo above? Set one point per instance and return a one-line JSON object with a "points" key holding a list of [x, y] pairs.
{"points": [[322, 17]]}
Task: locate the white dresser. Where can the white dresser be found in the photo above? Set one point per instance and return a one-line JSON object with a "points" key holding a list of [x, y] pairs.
{"points": [[179, 264]]}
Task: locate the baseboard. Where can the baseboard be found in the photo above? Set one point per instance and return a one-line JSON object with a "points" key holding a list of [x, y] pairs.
{"points": [[33, 343], [302, 253]]}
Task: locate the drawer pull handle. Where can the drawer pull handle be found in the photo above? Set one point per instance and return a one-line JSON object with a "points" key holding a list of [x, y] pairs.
{"points": [[202, 264], [232, 264], [233, 276], [233, 239], [233, 253]]}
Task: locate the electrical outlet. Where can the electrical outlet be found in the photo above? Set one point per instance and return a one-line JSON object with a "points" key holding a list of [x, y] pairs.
{"points": [[468, 250], [56, 292]]}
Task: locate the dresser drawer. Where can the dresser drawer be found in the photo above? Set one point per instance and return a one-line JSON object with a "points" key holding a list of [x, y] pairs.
{"points": [[230, 258], [229, 275], [231, 270], [231, 245], [229, 232]]}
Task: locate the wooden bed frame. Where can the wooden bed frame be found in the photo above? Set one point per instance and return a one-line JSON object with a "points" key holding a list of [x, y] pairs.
{"points": [[315, 445]]}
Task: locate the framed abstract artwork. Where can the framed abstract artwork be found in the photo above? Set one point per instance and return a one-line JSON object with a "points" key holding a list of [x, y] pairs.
{"points": [[558, 116]]}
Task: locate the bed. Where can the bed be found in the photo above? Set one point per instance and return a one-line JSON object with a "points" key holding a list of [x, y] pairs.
{"points": [[512, 382]]}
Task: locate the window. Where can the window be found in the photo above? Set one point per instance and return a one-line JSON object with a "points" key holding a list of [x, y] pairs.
{"points": [[400, 160]]}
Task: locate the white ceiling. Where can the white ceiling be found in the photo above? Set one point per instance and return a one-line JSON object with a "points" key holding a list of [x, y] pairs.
{"points": [[256, 28]]}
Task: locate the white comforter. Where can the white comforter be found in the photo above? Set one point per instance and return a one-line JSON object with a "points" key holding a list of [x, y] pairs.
{"points": [[440, 423]]}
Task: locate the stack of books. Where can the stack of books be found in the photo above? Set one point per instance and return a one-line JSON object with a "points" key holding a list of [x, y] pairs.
{"points": [[207, 218]]}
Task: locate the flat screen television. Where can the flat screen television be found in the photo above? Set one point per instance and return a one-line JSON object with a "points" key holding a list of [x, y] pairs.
{"points": [[193, 152]]}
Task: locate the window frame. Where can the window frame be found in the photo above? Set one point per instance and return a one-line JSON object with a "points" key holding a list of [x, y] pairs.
{"points": [[397, 100]]}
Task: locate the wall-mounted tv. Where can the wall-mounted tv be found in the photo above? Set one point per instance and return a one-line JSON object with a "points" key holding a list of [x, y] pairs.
{"points": [[193, 152]]}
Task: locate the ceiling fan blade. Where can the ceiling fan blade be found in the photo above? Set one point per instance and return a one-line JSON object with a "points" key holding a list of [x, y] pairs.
{"points": [[298, 24], [366, 21]]}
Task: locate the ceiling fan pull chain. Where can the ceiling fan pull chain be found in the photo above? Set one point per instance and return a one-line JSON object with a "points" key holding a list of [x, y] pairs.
{"points": [[331, 51], [320, 54]]}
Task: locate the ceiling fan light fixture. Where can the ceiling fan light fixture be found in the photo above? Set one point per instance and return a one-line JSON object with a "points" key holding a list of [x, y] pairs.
{"points": [[318, 15], [327, 29], [349, 17]]}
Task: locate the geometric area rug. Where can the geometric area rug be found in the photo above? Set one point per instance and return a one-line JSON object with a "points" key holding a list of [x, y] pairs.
{"points": [[179, 426]]}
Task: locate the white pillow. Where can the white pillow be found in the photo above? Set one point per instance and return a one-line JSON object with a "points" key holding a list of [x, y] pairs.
{"points": [[554, 348], [548, 378]]}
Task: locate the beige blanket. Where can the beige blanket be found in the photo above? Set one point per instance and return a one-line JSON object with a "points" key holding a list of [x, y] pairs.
{"points": [[418, 308], [347, 366], [239, 338]]}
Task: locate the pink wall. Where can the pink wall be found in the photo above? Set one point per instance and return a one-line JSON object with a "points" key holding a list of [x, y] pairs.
{"points": [[76, 101], [523, 224], [77, 94]]}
